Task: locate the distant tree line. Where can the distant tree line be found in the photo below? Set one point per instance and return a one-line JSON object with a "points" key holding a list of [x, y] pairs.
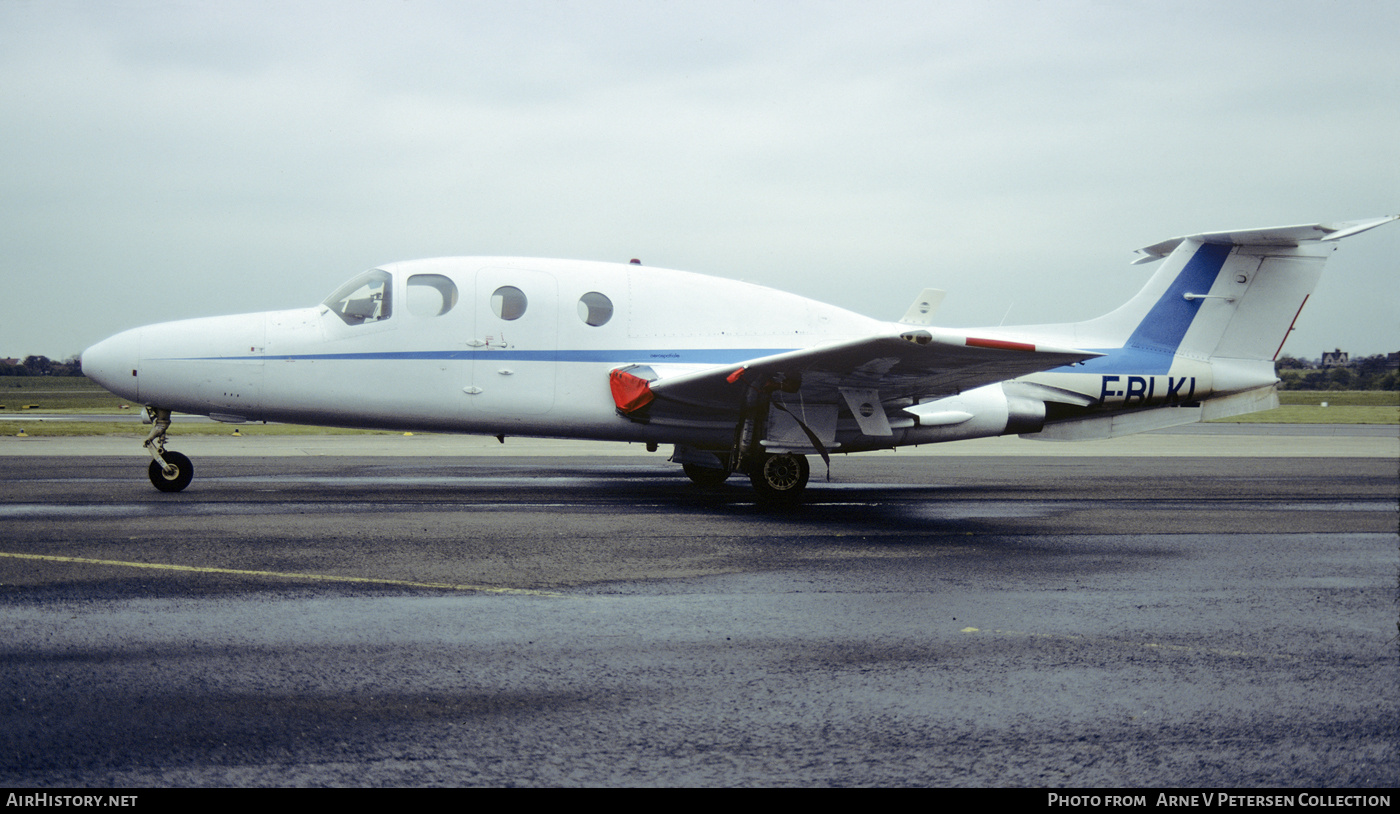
{"points": [[1365, 373], [42, 366]]}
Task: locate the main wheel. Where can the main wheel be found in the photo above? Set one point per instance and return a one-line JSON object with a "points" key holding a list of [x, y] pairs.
{"points": [[705, 476], [175, 480], [780, 477]]}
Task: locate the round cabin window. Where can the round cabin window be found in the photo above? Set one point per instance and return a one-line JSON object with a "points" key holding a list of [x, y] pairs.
{"points": [[508, 302], [595, 309]]}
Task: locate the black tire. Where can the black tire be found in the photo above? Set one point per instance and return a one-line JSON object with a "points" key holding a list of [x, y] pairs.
{"points": [[705, 476], [176, 481], [780, 478]]}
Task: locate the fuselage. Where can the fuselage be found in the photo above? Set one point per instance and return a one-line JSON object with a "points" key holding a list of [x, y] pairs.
{"points": [[520, 346], [499, 346]]}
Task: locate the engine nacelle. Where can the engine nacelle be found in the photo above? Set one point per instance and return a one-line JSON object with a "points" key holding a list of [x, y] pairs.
{"points": [[981, 413]]}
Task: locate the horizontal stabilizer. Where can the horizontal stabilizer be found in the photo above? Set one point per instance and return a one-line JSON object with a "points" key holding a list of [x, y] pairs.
{"points": [[1273, 236]]}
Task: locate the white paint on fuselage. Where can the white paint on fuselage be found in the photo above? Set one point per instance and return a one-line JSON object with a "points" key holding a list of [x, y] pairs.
{"points": [[467, 370], [1198, 340]]}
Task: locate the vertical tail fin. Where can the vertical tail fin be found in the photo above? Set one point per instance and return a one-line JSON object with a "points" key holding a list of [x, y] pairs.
{"points": [[1224, 295], [1198, 342]]}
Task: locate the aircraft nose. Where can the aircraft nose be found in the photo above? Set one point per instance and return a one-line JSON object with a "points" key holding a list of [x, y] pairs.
{"points": [[114, 361]]}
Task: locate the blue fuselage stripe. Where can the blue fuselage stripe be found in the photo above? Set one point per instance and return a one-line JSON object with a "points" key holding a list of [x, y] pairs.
{"points": [[1124, 361], [712, 356]]}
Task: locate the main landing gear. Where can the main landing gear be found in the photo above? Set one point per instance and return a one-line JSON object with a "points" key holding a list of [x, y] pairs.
{"points": [[705, 476], [170, 471], [778, 478]]}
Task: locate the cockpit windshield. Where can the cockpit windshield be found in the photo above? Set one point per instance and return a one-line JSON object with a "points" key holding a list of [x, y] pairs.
{"points": [[363, 299]]}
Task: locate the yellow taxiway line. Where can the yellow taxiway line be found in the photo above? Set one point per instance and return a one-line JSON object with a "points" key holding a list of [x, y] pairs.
{"points": [[279, 574]]}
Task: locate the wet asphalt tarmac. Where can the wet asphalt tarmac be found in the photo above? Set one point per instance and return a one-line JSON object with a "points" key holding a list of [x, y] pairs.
{"points": [[969, 621]]}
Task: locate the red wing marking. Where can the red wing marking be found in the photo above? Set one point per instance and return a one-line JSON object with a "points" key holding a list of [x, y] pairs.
{"points": [[998, 344]]}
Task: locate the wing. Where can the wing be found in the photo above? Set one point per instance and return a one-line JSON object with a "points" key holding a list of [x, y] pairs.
{"points": [[876, 369]]}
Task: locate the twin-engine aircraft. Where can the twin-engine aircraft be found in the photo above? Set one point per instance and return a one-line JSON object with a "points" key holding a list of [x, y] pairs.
{"points": [[736, 376]]}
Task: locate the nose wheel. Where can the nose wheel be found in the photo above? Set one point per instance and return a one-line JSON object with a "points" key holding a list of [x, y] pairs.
{"points": [[169, 471], [175, 475]]}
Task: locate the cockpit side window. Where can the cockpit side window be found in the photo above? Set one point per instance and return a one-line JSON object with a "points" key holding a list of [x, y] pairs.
{"points": [[430, 295], [364, 299]]}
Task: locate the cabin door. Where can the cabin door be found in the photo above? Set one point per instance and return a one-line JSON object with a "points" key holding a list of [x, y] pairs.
{"points": [[515, 342]]}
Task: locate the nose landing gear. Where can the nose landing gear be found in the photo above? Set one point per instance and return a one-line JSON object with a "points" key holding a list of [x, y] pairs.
{"points": [[169, 470], [175, 475]]}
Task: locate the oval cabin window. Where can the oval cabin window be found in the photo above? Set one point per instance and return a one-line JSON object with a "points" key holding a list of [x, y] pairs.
{"points": [[595, 309]]}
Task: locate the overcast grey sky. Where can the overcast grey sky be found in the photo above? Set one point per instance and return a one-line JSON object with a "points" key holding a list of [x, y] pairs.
{"points": [[163, 160]]}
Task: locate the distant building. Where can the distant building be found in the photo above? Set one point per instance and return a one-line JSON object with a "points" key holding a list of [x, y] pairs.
{"points": [[1336, 358], [1392, 361], [9, 361]]}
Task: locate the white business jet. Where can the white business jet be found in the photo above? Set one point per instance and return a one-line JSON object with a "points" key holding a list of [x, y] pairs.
{"points": [[735, 376]]}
